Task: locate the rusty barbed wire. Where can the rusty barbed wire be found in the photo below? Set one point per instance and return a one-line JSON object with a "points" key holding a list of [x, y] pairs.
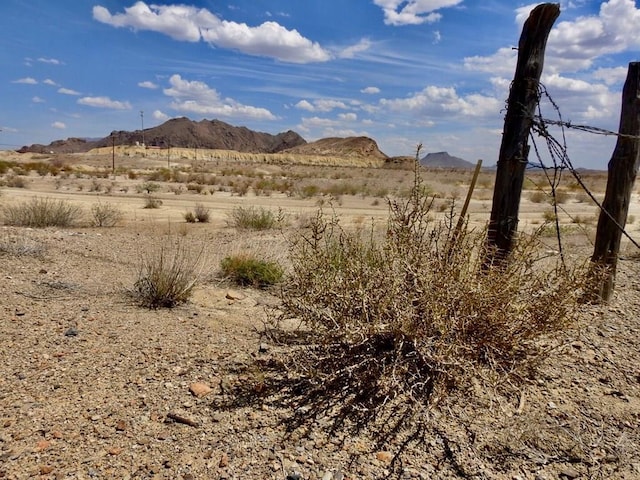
{"points": [[561, 160]]}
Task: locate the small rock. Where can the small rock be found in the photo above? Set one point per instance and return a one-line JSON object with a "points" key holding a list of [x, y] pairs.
{"points": [[115, 451], [233, 295], [385, 457], [43, 271], [200, 389], [45, 469], [71, 332], [224, 460], [294, 476], [121, 425], [43, 445], [56, 434], [263, 348], [569, 472]]}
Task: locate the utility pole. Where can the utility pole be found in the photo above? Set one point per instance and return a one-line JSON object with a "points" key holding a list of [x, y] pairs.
{"points": [[142, 124]]}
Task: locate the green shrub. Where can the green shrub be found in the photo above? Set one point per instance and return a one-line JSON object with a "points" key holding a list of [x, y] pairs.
{"points": [[148, 187], [105, 215], [245, 269], [167, 275], [253, 218], [42, 212]]}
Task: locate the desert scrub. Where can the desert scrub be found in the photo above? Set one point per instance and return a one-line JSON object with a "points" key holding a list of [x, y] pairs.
{"points": [[105, 215], [254, 218], [152, 202], [247, 270], [42, 212], [200, 213], [394, 320], [167, 274]]}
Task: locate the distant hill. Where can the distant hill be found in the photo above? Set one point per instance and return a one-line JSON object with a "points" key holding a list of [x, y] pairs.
{"points": [[350, 147], [444, 160], [182, 132]]}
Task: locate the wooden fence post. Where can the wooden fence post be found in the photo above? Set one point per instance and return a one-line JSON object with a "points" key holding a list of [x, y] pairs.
{"points": [[514, 150], [623, 168]]}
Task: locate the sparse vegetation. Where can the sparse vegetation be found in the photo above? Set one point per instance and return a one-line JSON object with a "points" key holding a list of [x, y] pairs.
{"points": [[42, 212], [396, 319], [152, 202], [105, 215], [167, 274], [247, 270], [253, 218]]}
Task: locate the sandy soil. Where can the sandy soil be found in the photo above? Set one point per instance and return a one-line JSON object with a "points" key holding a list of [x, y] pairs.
{"points": [[94, 386]]}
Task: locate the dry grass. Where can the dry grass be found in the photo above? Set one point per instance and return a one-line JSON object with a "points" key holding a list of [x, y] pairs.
{"points": [[42, 212], [167, 274]]}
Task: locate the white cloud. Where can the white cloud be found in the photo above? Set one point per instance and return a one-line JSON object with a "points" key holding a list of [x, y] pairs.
{"points": [[351, 51], [68, 91], [348, 117], [37, 100], [48, 81], [148, 84], [370, 90], [413, 12], [197, 97], [611, 76], [59, 125], [191, 24], [51, 61], [304, 105], [322, 105], [158, 115], [26, 81], [436, 101], [104, 102]]}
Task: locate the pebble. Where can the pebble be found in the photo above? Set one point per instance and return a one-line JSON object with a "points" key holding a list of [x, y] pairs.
{"points": [[569, 472], [200, 389]]}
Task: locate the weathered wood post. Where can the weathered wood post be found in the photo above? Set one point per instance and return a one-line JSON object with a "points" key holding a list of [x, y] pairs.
{"points": [[623, 168], [514, 150]]}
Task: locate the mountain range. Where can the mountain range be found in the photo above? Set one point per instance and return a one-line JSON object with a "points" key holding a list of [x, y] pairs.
{"points": [[218, 135]]}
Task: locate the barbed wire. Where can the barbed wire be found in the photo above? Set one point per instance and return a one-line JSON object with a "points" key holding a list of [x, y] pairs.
{"points": [[558, 153]]}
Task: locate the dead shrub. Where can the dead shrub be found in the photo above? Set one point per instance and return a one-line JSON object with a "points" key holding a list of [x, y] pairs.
{"points": [[105, 215], [395, 320]]}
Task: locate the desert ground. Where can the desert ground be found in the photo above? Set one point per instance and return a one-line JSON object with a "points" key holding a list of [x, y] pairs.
{"points": [[93, 385]]}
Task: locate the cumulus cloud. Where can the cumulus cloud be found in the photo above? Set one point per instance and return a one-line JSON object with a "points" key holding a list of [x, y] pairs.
{"points": [[348, 117], [37, 100], [159, 115], [437, 101], [413, 12], [322, 105], [197, 97], [611, 76], [48, 81], [59, 125], [68, 91], [26, 81], [370, 90], [104, 102], [148, 84], [191, 24]]}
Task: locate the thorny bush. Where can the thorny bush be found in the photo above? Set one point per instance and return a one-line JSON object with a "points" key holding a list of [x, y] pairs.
{"points": [[405, 315]]}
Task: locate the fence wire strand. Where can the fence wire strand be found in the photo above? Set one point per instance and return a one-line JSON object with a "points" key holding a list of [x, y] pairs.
{"points": [[558, 153]]}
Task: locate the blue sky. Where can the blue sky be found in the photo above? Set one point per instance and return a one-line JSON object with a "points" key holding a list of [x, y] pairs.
{"points": [[403, 72]]}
